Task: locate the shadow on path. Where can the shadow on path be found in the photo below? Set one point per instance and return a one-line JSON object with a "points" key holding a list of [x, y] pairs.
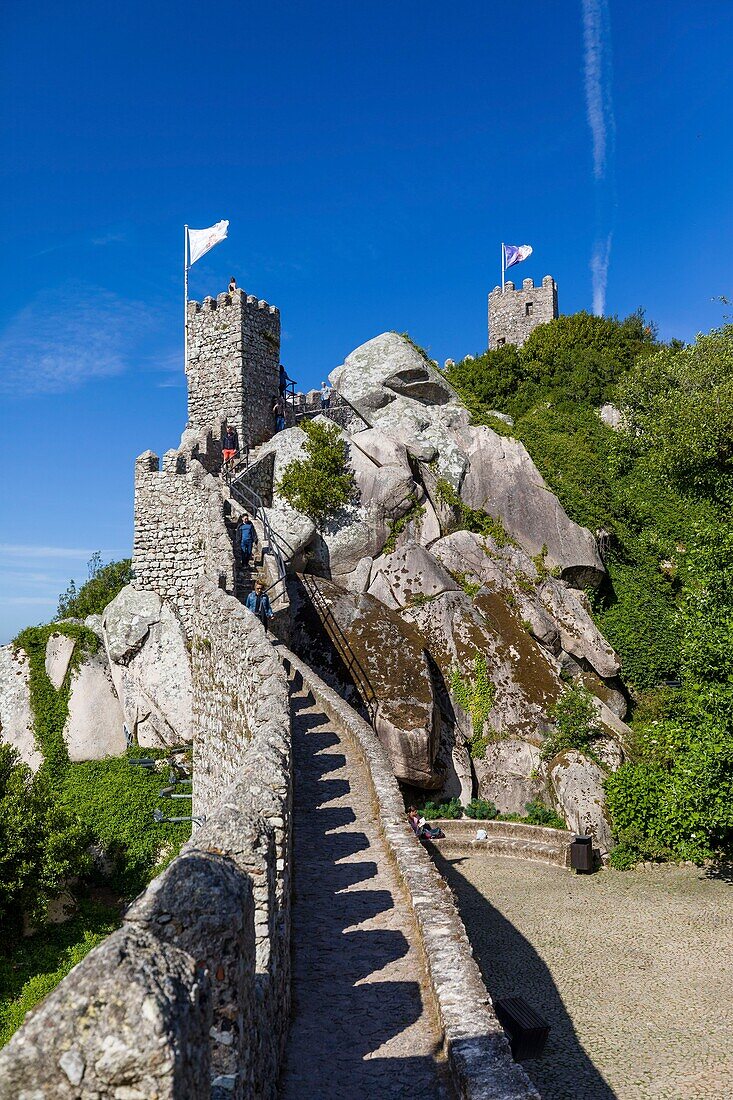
{"points": [[510, 965], [359, 1027]]}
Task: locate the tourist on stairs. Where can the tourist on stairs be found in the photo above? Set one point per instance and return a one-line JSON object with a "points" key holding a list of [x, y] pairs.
{"points": [[325, 395], [258, 602], [229, 444], [247, 539]]}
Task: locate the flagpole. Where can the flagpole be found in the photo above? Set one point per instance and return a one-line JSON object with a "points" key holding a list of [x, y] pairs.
{"points": [[503, 258], [185, 298]]}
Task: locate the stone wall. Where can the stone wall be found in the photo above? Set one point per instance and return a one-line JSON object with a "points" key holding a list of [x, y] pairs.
{"points": [[233, 364], [513, 314], [180, 531], [190, 999]]}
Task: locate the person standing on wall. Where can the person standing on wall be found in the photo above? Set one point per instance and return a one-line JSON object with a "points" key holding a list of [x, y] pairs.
{"points": [[247, 539], [229, 444], [232, 285], [258, 602], [325, 395], [278, 409]]}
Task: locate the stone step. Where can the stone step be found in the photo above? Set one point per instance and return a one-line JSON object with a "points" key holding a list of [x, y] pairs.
{"points": [[556, 854]]}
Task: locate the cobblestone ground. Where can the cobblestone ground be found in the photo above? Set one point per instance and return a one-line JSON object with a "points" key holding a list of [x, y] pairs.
{"points": [[363, 1025], [633, 971]]}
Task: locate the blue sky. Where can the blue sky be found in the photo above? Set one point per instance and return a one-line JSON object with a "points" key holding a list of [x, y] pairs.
{"points": [[370, 159]]}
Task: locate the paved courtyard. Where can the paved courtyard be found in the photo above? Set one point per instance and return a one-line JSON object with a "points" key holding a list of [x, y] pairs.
{"points": [[634, 972]]}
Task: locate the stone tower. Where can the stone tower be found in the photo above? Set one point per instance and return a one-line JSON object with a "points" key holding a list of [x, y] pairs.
{"points": [[514, 313], [233, 364]]}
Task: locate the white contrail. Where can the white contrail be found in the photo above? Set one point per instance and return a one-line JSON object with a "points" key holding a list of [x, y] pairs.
{"points": [[599, 271], [599, 107]]}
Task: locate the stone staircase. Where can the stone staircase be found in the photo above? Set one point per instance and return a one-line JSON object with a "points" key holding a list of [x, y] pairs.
{"points": [[503, 838]]}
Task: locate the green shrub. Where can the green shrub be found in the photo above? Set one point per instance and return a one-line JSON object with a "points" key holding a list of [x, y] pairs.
{"points": [[115, 801], [322, 482], [30, 967], [576, 722], [539, 814], [473, 519], [481, 810], [471, 588], [105, 581], [449, 810], [49, 707], [476, 695], [42, 844], [413, 514]]}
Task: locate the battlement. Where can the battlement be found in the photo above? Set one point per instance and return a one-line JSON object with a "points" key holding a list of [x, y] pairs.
{"points": [[237, 299], [233, 363], [515, 313]]}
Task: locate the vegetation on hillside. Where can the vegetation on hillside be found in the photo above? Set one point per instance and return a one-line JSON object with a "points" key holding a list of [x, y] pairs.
{"points": [[320, 483], [662, 488], [71, 826], [104, 582]]}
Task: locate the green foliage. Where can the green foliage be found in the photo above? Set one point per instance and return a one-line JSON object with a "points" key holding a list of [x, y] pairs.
{"points": [[473, 519], [674, 798], [471, 588], [41, 843], [576, 722], [322, 482], [446, 810], [539, 814], [30, 967], [105, 581], [476, 695], [414, 513], [480, 809], [420, 350], [574, 359], [116, 802], [50, 708], [679, 407]]}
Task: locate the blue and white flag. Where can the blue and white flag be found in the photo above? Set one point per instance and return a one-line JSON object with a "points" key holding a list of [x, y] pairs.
{"points": [[515, 253]]}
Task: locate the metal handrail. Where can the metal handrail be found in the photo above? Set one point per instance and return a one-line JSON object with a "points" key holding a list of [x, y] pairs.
{"points": [[344, 650], [303, 414], [256, 506]]}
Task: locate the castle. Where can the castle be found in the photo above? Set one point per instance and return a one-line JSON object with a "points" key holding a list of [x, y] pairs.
{"points": [[513, 314]]}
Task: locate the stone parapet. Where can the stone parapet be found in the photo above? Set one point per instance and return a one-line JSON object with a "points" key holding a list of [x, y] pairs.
{"points": [[190, 998], [477, 1048], [180, 530], [514, 314]]}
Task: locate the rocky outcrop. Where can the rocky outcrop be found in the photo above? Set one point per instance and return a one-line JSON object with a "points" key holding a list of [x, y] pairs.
{"points": [[150, 667], [577, 783], [59, 649], [502, 479], [16, 720], [94, 726], [390, 666]]}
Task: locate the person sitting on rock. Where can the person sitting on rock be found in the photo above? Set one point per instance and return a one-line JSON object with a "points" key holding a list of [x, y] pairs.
{"points": [[422, 828], [247, 538], [229, 444], [258, 602], [325, 395], [232, 284]]}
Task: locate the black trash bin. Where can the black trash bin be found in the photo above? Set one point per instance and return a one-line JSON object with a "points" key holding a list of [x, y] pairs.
{"points": [[581, 854]]}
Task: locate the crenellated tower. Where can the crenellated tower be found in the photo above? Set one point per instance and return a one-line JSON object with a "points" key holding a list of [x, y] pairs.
{"points": [[513, 314], [233, 364]]}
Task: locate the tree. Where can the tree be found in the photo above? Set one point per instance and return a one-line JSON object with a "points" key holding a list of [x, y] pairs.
{"points": [[104, 582], [679, 407], [322, 482], [41, 844]]}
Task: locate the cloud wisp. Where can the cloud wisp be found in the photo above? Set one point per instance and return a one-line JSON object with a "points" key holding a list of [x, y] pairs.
{"points": [[599, 108], [65, 338]]}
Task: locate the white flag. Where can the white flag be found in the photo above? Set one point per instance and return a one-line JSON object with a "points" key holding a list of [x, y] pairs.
{"points": [[201, 240]]}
